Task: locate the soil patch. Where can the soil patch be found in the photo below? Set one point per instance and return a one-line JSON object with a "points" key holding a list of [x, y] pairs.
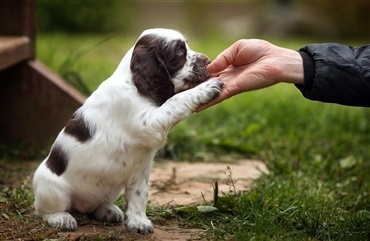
{"points": [[183, 183]]}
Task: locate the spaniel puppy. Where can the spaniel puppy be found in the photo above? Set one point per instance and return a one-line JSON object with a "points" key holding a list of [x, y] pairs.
{"points": [[108, 145]]}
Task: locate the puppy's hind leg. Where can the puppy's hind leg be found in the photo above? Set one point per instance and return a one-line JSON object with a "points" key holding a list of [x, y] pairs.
{"points": [[52, 203]]}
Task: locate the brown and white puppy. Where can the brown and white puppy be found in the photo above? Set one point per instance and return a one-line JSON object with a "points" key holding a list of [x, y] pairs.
{"points": [[108, 145]]}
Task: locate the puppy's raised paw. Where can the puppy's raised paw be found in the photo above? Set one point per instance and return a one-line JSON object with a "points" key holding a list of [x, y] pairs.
{"points": [[215, 86], [62, 220], [210, 90]]}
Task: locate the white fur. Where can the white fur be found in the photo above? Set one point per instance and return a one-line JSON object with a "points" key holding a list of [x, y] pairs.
{"points": [[128, 130]]}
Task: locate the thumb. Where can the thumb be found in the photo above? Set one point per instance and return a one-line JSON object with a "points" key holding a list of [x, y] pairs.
{"points": [[223, 60]]}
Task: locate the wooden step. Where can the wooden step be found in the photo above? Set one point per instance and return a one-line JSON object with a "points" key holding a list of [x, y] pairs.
{"points": [[13, 50]]}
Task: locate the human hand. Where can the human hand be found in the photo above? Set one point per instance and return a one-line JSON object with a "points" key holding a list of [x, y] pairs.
{"points": [[254, 64]]}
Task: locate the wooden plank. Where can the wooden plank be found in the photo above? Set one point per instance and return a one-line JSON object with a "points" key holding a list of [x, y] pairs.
{"points": [[35, 104], [57, 82], [17, 18], [13, 50]]}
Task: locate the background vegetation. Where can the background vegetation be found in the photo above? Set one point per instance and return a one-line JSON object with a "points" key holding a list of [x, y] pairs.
{"points": [[238, 18], [318, 155]]}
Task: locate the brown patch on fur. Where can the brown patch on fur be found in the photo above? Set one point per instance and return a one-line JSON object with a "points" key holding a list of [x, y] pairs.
{"points": [[57, 161], [78, 128]]}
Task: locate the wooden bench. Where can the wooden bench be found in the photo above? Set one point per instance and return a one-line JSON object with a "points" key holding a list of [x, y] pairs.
{"points": [[35, 103]]}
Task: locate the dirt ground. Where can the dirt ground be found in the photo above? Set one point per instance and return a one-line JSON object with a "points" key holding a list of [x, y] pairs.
{"points": [[183, 183], [171, 184]]}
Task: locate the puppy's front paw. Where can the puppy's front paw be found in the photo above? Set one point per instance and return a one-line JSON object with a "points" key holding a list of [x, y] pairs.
{"points": [[139, 224], [215, 86], [61, 220], [109, 214], [212, 89]]}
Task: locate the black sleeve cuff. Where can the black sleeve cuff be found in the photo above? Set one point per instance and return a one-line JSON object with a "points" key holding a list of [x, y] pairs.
{"points": [[309, 71]]}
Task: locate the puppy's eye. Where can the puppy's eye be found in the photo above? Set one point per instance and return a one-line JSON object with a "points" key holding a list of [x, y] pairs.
{"points": [[180, 52]]}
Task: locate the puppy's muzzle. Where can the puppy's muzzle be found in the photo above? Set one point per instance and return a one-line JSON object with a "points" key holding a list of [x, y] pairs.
{"points": [[200, 68]]}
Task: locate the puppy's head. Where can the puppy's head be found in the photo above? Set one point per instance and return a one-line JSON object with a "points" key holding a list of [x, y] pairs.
{"points": [[162, 65]]}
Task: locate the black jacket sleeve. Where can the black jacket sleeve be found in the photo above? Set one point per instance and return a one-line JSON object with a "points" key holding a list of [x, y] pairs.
{"points": [[336, 73]]}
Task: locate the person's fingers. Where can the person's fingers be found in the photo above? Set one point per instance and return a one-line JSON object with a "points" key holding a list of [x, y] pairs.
{"points": [[224, 59], [220, 63]]}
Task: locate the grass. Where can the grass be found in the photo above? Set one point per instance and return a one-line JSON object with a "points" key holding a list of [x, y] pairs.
{"points": [[318, 154]]}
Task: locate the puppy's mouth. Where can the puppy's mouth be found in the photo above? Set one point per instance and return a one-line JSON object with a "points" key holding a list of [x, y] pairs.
{"points": [[196, 79], [199, 74]]}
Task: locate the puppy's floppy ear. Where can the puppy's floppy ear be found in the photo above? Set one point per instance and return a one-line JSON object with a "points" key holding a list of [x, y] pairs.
{"points": [[149, 73]]}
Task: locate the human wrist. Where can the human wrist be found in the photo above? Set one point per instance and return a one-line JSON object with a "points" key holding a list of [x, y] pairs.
{"points": [[308, 69], [291, 67]]}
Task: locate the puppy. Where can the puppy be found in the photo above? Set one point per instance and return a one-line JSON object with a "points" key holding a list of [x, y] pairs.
{"points": [[108, 145]]}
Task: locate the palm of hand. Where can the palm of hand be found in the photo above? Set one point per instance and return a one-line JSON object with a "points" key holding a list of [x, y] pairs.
{"points": [[253, 75]]}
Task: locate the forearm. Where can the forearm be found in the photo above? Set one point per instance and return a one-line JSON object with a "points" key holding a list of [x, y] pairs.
{"points": [[336, 73]]}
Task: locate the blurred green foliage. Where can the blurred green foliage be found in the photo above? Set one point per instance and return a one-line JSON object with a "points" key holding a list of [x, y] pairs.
{"points": [[255, 19], [82, 16]]}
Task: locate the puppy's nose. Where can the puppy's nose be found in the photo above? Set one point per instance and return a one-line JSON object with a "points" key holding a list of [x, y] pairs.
{"points": [[203, 59]]}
